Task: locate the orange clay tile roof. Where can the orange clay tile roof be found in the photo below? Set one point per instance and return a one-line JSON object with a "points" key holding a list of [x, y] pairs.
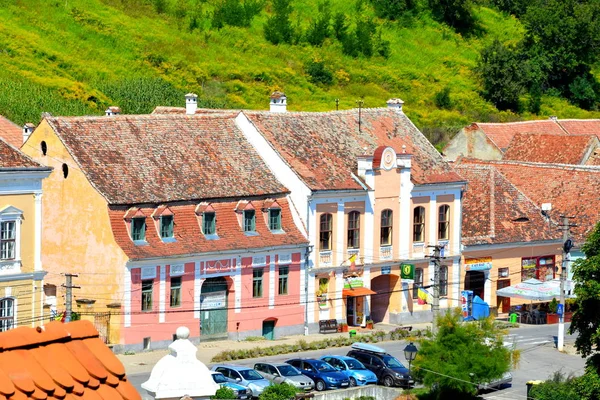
{"points": [[558, 149], [182, 110], [11, 132], [161, 158], [189, 238], [502, 133], [581, 126], [61, 361], [12, 158], [571, 189], [496, 212], [322, 148]]}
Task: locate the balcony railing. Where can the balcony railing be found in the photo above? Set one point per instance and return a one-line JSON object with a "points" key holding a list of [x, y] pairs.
{"points": [[325, 258], [354, 252], [385, 252], [418, 249]]}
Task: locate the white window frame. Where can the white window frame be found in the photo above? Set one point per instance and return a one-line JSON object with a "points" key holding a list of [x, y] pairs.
{"points": [[12, 214], [13, 314]]}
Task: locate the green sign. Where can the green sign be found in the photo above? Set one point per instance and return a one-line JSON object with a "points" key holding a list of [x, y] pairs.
{"points": [[407, 271]]}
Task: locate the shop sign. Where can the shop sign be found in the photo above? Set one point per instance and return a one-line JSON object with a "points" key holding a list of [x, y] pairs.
{"points": [[322, 301], [407, 271], [213, 300], [386, 270], [353, 282], [478, 264]]}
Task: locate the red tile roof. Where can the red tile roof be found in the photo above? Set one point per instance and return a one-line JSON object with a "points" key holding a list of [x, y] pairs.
{"points": [[322, 148], [581, 126], [189, 238], [496, 212], [11, 158], [161, 158], [571, 189], [559, 149], [182, 110], [60, 361], [11, 132], [502, 133]]}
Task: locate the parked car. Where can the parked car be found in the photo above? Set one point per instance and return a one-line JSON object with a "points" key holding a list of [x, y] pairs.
{"points": [[496, 383], [241, 392], [389, 370], [244, 376], [323, 374], [285, 373], [354, 370]]}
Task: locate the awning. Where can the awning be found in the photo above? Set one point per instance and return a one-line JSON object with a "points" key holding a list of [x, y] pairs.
{"points": [[359, 291]]}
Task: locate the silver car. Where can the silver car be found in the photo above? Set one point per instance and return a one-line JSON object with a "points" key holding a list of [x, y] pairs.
{"points": [[285, 373], [244, 376]]}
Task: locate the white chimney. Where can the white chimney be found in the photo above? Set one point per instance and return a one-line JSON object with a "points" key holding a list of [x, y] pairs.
{"points": [[112, 110], [395, 103], [553, 118], [191, 103], [278, 102], [27, 131]]}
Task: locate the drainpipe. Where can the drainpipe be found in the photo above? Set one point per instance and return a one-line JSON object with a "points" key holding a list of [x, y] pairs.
{"points": [[306, 264]]}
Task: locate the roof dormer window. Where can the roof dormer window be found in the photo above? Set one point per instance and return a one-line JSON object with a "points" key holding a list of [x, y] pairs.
{"points": [[138, 229], [166, 226], [275, 219], [164, 223], [249, 221], [209, 226]]}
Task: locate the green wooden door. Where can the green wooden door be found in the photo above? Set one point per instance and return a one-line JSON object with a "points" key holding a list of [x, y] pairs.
{"points": [[213, 307], [268, 330]]}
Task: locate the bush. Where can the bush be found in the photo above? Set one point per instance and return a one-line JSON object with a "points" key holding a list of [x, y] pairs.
{"points": [[236, 13], [319, 73], [392, 9], [224, 393], [282, 391], [455, 13], [278, 28], [442, 99]]}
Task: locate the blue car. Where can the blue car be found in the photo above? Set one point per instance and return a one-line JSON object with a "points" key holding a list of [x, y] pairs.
{"points": [[323, 374], [354, 370]]}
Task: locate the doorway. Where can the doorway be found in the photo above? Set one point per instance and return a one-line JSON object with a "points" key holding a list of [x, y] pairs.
{"points": [[380, 302], [268, 329], [502, 302], [213, 307], [475, 281]]}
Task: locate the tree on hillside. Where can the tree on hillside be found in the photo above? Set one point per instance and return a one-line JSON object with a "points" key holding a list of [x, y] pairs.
{"points": [[461, 355], [515, 7], [392, 9], [586, 318], [501, 72], [456, 13], [320, 28], [278, 28]]}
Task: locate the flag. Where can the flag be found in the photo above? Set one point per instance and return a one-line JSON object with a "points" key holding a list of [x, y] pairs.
{"points": [[352, 262], [423, 296]]}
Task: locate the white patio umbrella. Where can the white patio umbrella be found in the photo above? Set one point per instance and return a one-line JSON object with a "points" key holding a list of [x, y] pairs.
{"points": [[533, 289]]}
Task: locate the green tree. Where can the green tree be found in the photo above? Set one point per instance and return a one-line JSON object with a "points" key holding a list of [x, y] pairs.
{"points": [[320, 28], [501, 71], [461, 355], [319, 73], [278, 28], [282, 391], [392, 9], [236, 13], [586, 318], [340, 26], [456, 13], [515, 7]]}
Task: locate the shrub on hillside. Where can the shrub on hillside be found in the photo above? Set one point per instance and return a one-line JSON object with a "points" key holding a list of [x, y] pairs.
{"points": [[392, 9], [318, 72], [236, 13]]}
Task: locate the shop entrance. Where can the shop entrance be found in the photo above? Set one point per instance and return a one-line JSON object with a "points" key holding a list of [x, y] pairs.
{"points": [[213, 307], [354, 310], [502, 302], [475, 281]]}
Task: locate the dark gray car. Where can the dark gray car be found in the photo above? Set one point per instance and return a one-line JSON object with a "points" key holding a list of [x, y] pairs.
{"points": [[285, 373]]}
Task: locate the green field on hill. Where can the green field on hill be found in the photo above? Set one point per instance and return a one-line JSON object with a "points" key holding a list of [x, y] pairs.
{"points": [[75, 57]]}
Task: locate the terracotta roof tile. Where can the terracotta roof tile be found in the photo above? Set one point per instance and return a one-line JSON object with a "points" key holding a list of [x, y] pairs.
{"points": [[571, 189], [182, 110], [495, 211], [502, 133], [581, 126], [57, 363], [161, 158], [322, 148], [11, 132], [559, 149], [189, 238], [11, 157]]}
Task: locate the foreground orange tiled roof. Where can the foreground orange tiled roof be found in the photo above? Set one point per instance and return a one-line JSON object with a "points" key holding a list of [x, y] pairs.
{"points": [[60, 361], [11, 132], [558, 149]]}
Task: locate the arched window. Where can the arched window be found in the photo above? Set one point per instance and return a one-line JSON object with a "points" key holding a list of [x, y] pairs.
{"points": [[7, 314], [353, 230], [325, 232], [386, 227], [419, 224], [444, 222]]}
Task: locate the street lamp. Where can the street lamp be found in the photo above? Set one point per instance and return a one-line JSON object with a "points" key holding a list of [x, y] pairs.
{"points": [[410, 352]]}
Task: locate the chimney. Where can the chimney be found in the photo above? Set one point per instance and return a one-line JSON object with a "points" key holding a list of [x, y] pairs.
{"points": [[395, 103], [553, 118], [27, 131], [278, 102], [191, 103], [112, 110]]}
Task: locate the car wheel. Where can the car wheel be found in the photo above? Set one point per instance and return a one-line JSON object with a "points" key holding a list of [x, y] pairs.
{"points": [[352, 382], [320, 385], [388, 381]]}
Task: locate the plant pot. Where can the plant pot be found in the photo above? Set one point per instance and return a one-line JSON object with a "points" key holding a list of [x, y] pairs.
{"points": [[568, 316], [369, 325], [343, 328], [552, 318]]}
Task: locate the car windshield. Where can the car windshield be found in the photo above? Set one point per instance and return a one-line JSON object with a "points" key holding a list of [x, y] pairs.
{"points": [[354, 365], [392, 362], [323, 366], [250, 375], [219, 378], [288, 370]]}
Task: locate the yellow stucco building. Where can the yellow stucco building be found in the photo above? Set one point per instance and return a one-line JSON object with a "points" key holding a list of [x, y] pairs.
{"points": [[21, 272]]}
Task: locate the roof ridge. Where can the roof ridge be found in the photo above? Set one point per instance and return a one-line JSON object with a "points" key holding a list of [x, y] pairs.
{"points": [[589, 168]]}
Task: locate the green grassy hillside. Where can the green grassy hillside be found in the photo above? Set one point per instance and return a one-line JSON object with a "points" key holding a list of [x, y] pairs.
{"points": [[73, 57]]}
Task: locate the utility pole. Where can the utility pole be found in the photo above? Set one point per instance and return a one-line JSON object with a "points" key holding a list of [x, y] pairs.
{"points": [[360, 104], [69, 295], [567, 245], [337, 104], [435, 307]]}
